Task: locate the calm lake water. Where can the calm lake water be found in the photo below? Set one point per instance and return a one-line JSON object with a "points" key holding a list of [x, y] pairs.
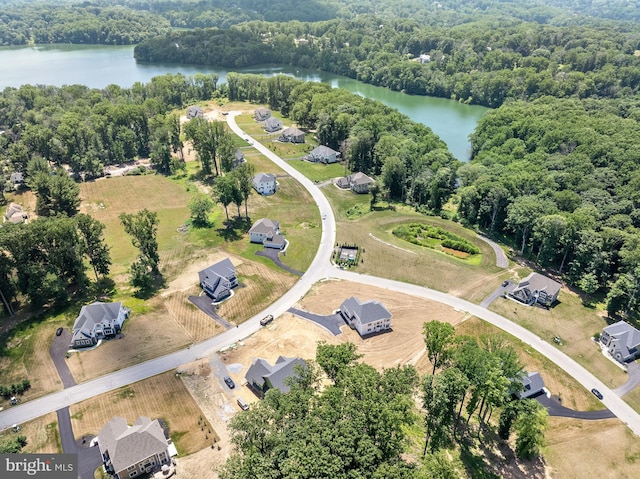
{"points": [[97, 66]]}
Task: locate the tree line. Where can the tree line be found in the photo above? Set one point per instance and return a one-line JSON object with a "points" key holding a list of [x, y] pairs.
{"points": [[342, 418]]}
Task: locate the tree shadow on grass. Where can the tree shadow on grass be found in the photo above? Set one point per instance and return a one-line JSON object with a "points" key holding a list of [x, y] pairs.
{"points": [[234, 229]]}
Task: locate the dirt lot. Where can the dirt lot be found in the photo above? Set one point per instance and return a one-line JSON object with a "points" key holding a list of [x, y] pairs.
{"points": [[163, 396]]}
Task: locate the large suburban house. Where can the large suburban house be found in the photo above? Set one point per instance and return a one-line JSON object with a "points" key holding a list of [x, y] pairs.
{"points": [[16, 179], [323, 154], [272, 124], [15, 214], [238, 158], [536, 288], [532, 385], [262, 376], [131, 451], [356, 182], [366, 318], [194, 112], [98, 321], [219, 279], [267, 233], [265, 183], [261, 114], [622, 341], [291, 135]]}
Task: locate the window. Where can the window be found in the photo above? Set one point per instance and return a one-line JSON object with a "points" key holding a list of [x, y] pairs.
{"points": [[133, 474]]}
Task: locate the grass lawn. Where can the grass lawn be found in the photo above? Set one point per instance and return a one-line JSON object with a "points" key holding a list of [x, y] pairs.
{"points": [[160, 397], [319, 171], [387, 256], [574, 324], [41, 433]]}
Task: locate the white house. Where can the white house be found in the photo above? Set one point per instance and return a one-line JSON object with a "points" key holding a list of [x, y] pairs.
{"points": [[424, 58], [323, 154], [267, 232], [219, 279], [272, 124], [366, 318], [98, 321], [532, 385], [265, 183], [131, 451], [262, 376]]}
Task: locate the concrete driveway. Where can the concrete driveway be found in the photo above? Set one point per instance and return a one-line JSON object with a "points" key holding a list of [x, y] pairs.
{"points": [[633, 371]]}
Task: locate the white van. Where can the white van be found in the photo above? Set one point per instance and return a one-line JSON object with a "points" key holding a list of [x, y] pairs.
{"points": [[242, 403]]}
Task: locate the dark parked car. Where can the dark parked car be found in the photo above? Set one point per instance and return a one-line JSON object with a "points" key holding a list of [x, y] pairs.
{"points": [[59, 331], [229, 382], [597, 393], [266, 320], [505, 283]]}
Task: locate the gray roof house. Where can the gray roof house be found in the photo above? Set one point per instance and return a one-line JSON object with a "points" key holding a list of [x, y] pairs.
{"points": [[262, 376], [16, 179], [261, 114], [291, 135], [219, 279], [265, 183], [15, 214], [131, 451], [536, 288], [267, 232], [272, 124], [532, 383], [98, 321], [367, 318], [323, 154], [356, 182], [622, 341], [238, 158], [194, 111]]}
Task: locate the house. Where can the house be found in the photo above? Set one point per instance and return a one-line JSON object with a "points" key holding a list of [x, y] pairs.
{"points": [[261, 114], [366, 318], [532, 385], [98, 321], [219, 279], [267, 232], [622, 341], [323, 154], [291, 135], [17, 180], [272, 124], [356, 182], [262, 376], [424, 58], [238, 158], [194, 112], [131, 451], [536, 288], [15, 214], [265, 183]]}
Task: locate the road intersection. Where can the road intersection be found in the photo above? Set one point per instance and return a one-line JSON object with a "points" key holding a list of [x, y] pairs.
{"points": [[320, 269]]}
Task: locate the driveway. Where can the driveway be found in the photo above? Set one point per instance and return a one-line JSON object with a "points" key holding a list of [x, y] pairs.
{"points": [[499, 291], [88, 457], [555, 408], [204, 304], [633, 371], [274, 255], [331, 323], [58, 352], [501, 259]]}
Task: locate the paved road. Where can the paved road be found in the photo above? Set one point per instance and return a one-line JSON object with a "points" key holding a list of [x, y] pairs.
{"points": [[555, 408], [501, 259], [319, 269]]}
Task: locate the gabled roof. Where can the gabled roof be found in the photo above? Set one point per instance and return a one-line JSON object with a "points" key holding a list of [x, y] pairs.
{"points": [[239, 154], [264, 178], [323, 151], [222, 269], [533, 383], [272, 121], [12, 210], [129, 445], [538, 282], [261, 371], [194, 111], [265, 226], [262, 112], [93, 314], [292, 131], [369, 311], [627, 334], [17, 177], [360, 178]]}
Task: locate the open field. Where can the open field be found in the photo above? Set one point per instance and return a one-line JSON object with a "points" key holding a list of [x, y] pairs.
{"points": [[574, 324], [161, 397], [407, 262], [41, 433], [319, 171]]}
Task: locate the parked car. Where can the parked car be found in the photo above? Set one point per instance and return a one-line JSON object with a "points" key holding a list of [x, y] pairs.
{"points": [[229, 382], [243, 404], [59, 331], [597, 393], [505, 283], [266, 320]]}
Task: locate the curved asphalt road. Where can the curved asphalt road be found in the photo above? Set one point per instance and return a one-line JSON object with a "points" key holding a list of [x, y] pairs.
{"points": [[320, 268]]}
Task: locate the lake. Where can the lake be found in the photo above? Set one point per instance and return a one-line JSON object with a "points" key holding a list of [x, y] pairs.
{"points": [[97, 66]]}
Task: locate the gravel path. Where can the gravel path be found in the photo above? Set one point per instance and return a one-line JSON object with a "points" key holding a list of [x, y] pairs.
{"points": [[501, 259]]}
